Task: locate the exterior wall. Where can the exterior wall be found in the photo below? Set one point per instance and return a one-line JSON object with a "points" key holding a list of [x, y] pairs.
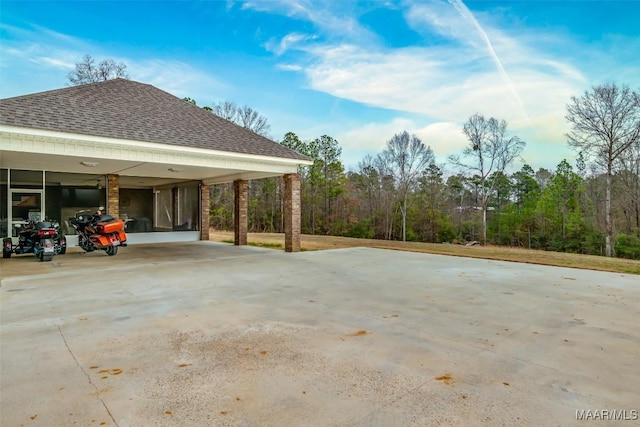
{"points": [[204, 212], [240, 218], [292, 212], [113, 195]]}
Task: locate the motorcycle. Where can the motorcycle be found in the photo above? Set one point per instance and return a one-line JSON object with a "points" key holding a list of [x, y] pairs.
{"points": [[42, 238], [99, 232]]}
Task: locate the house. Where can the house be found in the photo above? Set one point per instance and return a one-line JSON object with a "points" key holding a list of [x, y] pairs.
{"points": [[147, 156]]}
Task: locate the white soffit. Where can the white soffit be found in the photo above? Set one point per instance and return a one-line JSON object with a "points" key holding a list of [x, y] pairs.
{"points": [[94, 148]]}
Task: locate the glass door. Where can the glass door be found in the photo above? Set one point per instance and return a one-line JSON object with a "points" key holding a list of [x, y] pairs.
{"points": [[163, 213], [25, 205]]}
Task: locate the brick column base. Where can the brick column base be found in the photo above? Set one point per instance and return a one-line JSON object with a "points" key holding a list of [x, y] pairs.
{"points": [[292, 212], [113, 195], [241, 205], [204, 212]]}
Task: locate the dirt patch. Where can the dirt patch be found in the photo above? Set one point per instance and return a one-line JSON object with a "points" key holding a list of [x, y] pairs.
{"points": [[446, 378]]}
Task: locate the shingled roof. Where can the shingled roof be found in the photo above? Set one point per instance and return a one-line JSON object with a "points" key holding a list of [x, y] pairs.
{"points": [[125, 109]]}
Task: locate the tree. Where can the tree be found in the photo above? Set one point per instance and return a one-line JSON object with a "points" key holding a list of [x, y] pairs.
{"points": [[331, 175], [244, 116], [628, 176], [407, 158], [87, 71], [265, 195], [455, 194], [490, 150], [559, 210], [525, 185], [605, 124], [322, 182], [225, 109], [428, 221], [250, 119], [500, 195], [376, 184], [526, 193]]}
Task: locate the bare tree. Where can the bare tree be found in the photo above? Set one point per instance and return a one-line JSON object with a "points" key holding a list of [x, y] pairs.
{"points": [[407, 158], [226, 109], [490, 150], [627, 184], [87, 71], [251, 119], [245, 116], [605, 125]]}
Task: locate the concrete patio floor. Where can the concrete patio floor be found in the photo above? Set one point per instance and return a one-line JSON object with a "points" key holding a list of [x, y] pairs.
{"points": [[203, 333]]}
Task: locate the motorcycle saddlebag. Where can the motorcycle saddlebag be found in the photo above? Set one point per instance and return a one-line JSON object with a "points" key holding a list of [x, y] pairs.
{"points": [[110, 227]]}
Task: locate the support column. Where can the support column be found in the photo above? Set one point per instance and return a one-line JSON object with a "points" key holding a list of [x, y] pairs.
{"points": [[113, 195], [292, 212], [204, 212], [241, 205]]}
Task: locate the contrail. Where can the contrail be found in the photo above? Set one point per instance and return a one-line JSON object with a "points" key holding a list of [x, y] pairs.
{"points": [[466, 14]]}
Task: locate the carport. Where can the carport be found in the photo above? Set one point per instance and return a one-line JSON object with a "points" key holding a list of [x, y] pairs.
{"points": [[139, 149]]}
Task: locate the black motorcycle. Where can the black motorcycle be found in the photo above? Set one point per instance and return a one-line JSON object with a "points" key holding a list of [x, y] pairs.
{"points": [[41, 238]]}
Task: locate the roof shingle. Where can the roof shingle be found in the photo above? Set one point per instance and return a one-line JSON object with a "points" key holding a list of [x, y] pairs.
{"points": [[125, 109]]}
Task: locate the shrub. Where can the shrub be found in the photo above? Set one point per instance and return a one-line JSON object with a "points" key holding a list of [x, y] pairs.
{"points": [[627, 246]]}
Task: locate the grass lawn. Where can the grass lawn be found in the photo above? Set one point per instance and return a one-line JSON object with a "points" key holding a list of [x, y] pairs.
{"points": [[312, 243]]}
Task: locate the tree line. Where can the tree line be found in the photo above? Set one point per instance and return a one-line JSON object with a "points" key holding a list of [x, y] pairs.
{"points": [[592, 207], [401, 193]]}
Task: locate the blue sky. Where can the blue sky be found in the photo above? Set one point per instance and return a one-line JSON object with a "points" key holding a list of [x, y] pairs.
{"points": [[357, 71]]}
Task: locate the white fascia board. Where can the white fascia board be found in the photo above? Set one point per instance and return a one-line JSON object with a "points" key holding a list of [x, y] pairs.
{"points": [[53, 142], [241, 175]]}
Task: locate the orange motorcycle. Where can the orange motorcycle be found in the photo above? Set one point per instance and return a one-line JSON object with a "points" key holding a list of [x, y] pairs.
{"points": [[99, 232]]}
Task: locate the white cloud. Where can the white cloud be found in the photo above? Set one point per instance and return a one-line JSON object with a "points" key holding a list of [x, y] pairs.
{"points": [[57, 63], [47, 56], [374, 136], [476, 68], [442, 19], [176, 77], [437, 83], [334, 19], [280, 47], [369, 139], [290, 67], [444, 138]]}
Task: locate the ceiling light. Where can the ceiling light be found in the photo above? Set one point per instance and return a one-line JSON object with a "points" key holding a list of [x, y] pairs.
{"points": [[89, 164], [175, 170]]}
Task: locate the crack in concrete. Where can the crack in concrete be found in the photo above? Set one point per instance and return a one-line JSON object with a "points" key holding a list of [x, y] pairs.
{"points": [[86, 374]]}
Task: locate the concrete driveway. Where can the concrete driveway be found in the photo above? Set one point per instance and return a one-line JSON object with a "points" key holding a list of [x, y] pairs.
{"points": [[205, 333]]}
